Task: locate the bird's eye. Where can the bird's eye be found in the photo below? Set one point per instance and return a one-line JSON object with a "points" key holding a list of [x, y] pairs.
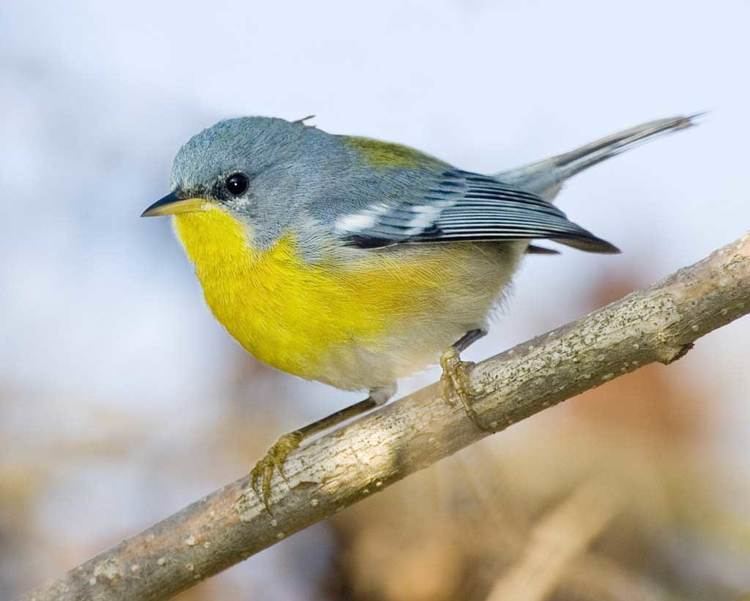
{"points": [[236, 184]]}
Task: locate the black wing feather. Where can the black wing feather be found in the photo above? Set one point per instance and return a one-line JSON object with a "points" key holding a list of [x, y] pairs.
{"points": [[463, 206]]}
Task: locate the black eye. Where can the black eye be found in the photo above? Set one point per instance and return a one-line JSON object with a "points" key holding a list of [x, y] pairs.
{"points": [[237, 183]]}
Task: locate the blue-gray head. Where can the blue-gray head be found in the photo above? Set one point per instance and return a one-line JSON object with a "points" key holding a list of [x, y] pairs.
{"points": [[242, 164]]}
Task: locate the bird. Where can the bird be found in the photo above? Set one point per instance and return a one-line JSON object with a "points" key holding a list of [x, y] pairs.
{"points": [[356, 262]]}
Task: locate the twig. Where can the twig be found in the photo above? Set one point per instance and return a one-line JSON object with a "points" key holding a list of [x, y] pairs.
{"points": [[657, 324], [560, 537]]}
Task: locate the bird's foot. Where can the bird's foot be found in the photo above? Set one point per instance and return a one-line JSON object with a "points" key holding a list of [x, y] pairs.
{"points": [[455, 382], [273, 460]]}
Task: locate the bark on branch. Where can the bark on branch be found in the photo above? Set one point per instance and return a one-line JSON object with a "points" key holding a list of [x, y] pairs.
{"points": [[656, 324]]}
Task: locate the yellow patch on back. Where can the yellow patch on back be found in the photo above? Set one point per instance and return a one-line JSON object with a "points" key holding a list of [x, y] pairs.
{"points": [[289, 314], [386, 154]]}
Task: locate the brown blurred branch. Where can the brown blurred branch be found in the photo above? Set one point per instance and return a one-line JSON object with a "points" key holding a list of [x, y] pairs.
{"points": [[560, 537], [656, 324]]}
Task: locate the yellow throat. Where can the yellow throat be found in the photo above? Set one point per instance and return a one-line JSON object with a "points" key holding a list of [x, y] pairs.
{"points": [[289, 313]]}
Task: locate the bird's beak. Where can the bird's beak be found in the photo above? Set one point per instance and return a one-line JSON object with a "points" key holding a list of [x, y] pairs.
{"points": [[173, 204]]}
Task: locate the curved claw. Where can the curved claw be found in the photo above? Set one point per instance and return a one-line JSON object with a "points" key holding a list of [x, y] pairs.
{"points": [[454, 382], [262, 474]]}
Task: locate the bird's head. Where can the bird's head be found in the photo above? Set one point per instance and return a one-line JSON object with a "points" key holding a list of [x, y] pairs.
{"points": [[235, 165]]}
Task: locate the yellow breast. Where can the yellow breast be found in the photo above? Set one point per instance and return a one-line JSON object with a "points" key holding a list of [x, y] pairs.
{"points": [[290, 314]]}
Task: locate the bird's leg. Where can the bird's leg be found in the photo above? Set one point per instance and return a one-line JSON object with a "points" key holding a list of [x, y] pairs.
{"points": [[273, 460], [454, 382]]}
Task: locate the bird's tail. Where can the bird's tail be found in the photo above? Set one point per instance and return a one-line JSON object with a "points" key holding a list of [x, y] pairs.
{"points": [[546, 177]]}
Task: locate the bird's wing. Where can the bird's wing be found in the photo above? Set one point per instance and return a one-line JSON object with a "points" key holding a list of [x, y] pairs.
{"points": [[460, 205]]}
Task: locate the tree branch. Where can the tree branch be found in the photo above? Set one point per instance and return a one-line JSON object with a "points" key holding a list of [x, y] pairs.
{"points": [[562, 535], [656, 324]]}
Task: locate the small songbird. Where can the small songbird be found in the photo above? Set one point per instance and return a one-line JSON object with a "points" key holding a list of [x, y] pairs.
{"points": [[356, 262]]}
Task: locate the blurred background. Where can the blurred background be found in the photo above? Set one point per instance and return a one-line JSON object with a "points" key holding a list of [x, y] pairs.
{"points": [[121, 400]]}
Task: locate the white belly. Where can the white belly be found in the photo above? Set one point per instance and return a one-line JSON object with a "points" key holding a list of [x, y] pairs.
{"points": [[417, 341]]}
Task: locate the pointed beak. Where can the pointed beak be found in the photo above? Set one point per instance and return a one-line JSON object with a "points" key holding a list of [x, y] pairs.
{"points": [[173, 204]]}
